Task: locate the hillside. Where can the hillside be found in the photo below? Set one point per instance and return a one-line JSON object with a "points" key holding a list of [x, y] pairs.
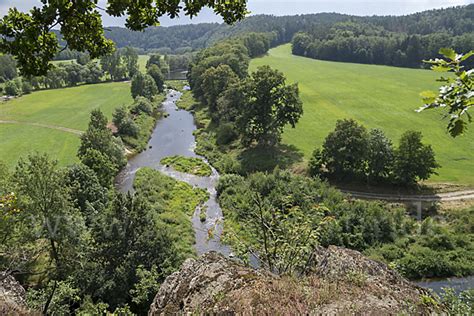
{"points": [[182, 38], [376, 96], [35, 122]]}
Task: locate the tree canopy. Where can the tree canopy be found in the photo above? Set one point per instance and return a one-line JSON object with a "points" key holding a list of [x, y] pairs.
{"points": [[31, 39]]}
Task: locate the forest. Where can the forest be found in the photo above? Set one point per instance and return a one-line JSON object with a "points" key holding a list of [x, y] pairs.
{"points": [[394, 41]]}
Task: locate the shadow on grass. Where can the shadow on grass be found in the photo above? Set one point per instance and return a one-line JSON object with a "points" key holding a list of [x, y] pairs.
{"points": [[265, 158]]}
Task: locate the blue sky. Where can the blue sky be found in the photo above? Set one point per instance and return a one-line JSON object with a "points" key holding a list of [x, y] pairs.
{"points": [[288, 7]]}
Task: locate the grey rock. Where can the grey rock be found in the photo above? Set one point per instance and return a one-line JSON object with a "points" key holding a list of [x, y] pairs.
{"points": [[338, 281]]}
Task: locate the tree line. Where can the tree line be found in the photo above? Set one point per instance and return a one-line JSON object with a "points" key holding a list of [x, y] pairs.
{"points": [[395, 41], [350, 152], [119, 66], [254, 107]]}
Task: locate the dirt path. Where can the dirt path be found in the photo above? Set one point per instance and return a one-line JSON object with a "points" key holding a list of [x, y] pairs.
{"points": [[441, 197], [59, 128]]}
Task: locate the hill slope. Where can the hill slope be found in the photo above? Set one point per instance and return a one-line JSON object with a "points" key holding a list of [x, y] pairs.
{"points": [[58, 108], [376, 96]]}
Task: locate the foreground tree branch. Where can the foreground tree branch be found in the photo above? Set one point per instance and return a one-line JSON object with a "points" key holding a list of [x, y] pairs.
{"points": [[31, 39]]}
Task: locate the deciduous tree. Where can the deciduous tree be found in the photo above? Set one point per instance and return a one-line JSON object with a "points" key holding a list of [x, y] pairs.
{"points": [[345, 149], [413, 160], [269, 105], [31, 39]]}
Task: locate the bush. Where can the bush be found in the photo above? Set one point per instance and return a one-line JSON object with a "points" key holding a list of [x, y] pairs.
{"points": [[228, 181], [26, 87], [142, 105], [226, 134], [316, 163], [11, 88]]}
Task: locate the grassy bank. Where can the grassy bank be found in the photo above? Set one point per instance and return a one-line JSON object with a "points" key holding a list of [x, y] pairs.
{"points": [[376, 96], [195, 166], [174, 203]]}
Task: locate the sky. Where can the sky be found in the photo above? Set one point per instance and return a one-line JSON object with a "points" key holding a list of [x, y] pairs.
{"points": [[285, 7]]}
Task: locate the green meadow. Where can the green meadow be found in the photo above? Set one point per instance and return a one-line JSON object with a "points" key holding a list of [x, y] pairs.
{"points": [[68, 107], [376, 96], [142, 59]]}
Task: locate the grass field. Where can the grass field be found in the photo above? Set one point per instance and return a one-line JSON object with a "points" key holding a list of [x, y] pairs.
{"points": [[142, 59], [376, 96], [68, 107]]}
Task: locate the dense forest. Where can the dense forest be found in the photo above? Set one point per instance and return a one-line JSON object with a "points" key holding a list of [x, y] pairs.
{"points": [[390, 40], [396, 41]]}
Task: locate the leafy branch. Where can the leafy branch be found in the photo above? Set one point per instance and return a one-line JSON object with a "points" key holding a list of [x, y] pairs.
{"points": [[456, 94]]}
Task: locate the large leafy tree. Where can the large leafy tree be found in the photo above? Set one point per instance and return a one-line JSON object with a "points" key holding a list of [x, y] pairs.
{"points": [[216, 80], [99, 150], [31, 39], [345, 149], [130, 57], [413, 159], [269, 105], [143, 85], [48, 217], [380, 156], [154, 71]]}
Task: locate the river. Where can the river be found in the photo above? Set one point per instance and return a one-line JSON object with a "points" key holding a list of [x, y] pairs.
{"points": [[173, 135]]}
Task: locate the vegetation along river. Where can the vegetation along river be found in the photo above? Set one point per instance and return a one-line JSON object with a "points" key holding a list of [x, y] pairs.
{"points": [[173, 135]]}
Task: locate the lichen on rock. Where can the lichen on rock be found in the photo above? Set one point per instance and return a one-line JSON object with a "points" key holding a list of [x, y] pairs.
{"points": [[12, 296], [339, 281]]}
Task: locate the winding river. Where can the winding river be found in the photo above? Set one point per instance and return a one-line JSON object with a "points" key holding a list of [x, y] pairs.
{"points": [[173, 135]]}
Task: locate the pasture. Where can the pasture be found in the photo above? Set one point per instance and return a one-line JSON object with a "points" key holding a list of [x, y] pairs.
{"points": [[376, 96], [50, 120]]}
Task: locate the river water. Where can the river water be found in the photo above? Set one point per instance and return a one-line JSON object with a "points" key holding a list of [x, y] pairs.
{"points": [[173, 135], [458, 284]]}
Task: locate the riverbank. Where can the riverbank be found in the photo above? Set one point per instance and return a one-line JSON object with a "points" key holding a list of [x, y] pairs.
{"points": [[404, 249], [173, 135]]}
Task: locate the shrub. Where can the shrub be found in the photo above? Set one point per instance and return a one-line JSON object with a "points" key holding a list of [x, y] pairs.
{"points": [[26, 87], [226, 134], [142, 105], [11, 88]]}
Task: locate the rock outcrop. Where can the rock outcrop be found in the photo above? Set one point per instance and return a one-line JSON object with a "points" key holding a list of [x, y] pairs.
{"points": [[12, 296], [340, 281]]}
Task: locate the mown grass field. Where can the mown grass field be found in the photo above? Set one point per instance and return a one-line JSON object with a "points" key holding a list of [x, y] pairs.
{"points": [[376, 96], [142, 59], [68, 107]]}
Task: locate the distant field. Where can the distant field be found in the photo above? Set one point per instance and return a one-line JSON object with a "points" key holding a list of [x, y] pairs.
{"points": [[378, 97], [142, 59], [68, 107]]}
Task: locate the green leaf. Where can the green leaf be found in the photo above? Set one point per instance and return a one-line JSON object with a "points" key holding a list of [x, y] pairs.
{"points": [[467, 55], [457, 128], [428, 96], [440, 68], [448, 53]]}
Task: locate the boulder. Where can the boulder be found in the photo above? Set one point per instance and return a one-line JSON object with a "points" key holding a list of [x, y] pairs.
{"points": [[339, 281]]}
